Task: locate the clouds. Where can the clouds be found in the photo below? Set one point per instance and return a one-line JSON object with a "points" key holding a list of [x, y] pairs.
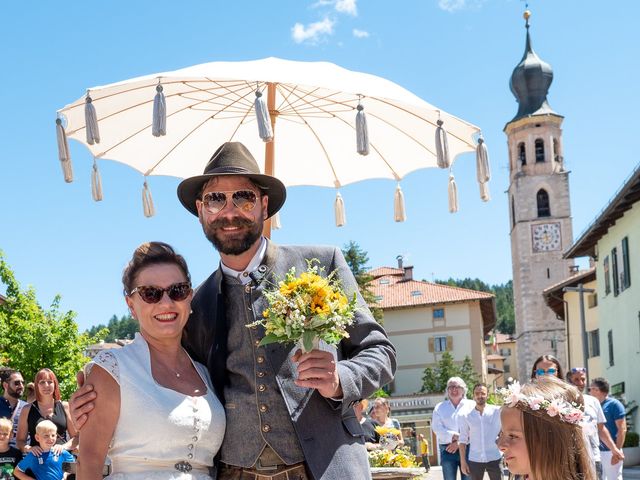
{"points": [[452, 6], [318, 32]]}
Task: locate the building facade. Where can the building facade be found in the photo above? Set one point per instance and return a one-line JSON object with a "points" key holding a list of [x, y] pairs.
{"points": [[540, 210]]}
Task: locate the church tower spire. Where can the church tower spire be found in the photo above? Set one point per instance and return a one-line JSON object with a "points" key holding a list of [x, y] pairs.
{"points": [[540, 210]]}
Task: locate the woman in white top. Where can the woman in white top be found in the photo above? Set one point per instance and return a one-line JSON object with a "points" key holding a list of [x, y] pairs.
{"points": [[380, 413], [156, 414]]}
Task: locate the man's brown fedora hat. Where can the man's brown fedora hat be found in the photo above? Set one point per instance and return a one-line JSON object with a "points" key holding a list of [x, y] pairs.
{"points": [[232, 158]]}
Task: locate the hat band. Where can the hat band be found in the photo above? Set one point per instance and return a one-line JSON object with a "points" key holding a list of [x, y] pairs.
{"points": [[223, 170]]}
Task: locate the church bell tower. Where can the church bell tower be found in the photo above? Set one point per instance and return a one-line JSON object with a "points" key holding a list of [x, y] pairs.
{"points": [[539, 208]]}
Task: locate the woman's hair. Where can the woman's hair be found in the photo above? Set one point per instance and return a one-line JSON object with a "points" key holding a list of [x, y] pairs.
{"points": [[29, 390], [151, 253], [557, 449], [46, 373], [548, 358], [6, 425]]}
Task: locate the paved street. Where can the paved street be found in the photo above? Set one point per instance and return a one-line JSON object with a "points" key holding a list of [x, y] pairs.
{"points": [[629, 474]]}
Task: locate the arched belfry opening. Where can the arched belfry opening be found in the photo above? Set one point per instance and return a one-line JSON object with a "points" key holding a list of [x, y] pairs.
{"points": [[542, 200]]}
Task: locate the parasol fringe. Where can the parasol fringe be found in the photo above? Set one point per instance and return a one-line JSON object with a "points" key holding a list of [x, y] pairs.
{"points": [[484, 192], [96, 183], [341, 217], [159, 124], [442, 146], [147, 201], [91, 121], [453, 195], [362, 132], [275, 222], [482, 162], [63, 152], [399, 212], [263, 118]]}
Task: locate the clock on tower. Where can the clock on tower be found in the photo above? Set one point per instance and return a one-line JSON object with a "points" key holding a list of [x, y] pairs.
{"points": [[546, 237]]}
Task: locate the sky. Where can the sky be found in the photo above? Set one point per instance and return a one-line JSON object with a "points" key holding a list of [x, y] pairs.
{"points": [[455, 54]]}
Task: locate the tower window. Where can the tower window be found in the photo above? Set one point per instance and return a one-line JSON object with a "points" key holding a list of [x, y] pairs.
{"points": [[522, 154], [556, 150], [542, 198], [513, 212], [539, 144]]}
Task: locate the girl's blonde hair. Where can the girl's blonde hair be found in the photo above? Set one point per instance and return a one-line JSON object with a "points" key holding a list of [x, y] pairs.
{"points": [[557, 449]]}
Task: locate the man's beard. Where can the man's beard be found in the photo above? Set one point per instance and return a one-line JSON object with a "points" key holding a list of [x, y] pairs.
{"points": [[14, 393], [238, 245]]}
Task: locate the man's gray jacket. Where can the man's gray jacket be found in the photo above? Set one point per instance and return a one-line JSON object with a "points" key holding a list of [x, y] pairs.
{"points": [[327, 430]]}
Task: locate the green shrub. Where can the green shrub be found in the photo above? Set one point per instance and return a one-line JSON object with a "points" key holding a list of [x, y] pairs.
{"points": [[631, 440]]}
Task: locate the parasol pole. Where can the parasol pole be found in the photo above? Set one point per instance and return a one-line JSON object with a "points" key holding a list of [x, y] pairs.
{"points": [[270, 147]]}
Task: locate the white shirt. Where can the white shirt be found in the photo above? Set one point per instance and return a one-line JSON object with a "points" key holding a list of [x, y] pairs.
{"points": [[444, 421], [251, 267], [593, 415], [480, 432]]}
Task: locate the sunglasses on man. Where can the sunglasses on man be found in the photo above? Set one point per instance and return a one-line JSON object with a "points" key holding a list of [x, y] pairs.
{"points": [[176, 292], [214, 202]]}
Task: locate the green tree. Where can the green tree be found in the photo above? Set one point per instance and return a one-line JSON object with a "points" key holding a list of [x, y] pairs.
{"points": [[357, 260], [124, 327], [32, 338], [434, 380]]}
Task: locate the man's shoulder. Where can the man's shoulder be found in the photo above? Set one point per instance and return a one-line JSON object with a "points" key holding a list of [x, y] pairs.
{"points": [[309, 251]]}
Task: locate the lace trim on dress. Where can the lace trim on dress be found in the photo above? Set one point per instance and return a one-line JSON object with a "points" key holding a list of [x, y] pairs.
{"points": [[108, 362]]}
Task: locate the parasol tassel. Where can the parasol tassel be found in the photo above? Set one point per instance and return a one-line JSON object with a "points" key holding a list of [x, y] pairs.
{"points": [[147, 201], [275, 222], [262, 116], [341, 217], [96, 183], [399, 213], [442, 146], [453, 195], [362, 132], [63, 152], [482, 162], [91, 122], [484, 192], [159, 124]]}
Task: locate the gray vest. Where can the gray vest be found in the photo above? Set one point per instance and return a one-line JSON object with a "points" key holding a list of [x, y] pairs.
{"points": [[255, 410]]}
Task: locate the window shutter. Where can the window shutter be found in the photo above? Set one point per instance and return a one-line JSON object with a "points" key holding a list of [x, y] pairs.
{"points": [[614, 268], [626, 281], [431, 345], [449, 343]]}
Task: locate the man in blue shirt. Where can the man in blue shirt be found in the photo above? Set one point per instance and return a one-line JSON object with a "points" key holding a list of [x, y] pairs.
{"points": [[616, 424]]}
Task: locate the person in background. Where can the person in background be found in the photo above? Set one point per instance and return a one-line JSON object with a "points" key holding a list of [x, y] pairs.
{"points": [[541, 436], [47, 464], [9, 456], [546, 365], [479, 428], [594, 428], [424, 451], [446, 424], [371, 437], [30, 392], [616, 424], [381, 412], [11, 404]]}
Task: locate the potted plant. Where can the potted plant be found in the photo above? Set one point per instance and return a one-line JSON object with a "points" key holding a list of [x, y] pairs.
{"points": [[631, 449]]}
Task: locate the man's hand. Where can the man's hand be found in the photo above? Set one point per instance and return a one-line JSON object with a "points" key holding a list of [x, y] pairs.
{"points": [[317, 369], [81, 402], [453, 446], [617, 455], [464, 466]]}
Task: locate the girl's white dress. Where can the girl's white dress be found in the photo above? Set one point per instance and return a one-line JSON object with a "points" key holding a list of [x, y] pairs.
{"points": [[161, 434]]}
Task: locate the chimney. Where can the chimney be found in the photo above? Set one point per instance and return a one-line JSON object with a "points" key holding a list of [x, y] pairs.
{"points": [[408, 273], [399, 259]]}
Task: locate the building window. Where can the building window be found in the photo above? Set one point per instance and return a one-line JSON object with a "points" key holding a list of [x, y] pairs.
{"points": [[542, 199], [378, 298], [614, 271], [556, 150], [626, 273], [385, 281], [438, 313], [539, 145], [607, 277], [513, 212], [594, 343], [592, 300], [440, 344], [522, 154], [610, 341], [416, 293]]}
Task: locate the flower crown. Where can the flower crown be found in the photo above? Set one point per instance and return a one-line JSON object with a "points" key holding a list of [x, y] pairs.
{"points": [[565, 411]]}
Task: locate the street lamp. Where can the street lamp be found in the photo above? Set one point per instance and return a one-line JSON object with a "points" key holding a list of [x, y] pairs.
{"points": [[585, 346]]}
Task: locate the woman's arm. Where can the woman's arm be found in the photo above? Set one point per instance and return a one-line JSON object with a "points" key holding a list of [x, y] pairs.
{"points": [[97, 432], [23, 430]]}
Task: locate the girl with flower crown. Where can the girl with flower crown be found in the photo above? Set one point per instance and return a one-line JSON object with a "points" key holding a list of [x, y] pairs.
{"points": [[541, 436]]}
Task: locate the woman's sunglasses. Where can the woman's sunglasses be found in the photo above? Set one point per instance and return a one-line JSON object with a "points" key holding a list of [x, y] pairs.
{"points": [[214, 202], [549, 371], [177, 292]]}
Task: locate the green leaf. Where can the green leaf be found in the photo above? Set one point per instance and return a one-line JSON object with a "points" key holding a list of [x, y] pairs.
{"points": [[307, 340], [267, 339]]}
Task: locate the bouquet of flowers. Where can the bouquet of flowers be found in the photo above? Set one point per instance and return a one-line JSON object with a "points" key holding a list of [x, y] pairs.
{"points": [[389, 437], [307, 308], [399, 458]]}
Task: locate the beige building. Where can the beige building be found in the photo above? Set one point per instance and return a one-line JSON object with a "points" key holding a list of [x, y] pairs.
{"points": [[424, 320], [501, 360], [564, 300]]}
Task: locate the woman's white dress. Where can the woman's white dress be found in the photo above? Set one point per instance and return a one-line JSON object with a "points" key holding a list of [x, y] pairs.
{"points": [[161, 434]]}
